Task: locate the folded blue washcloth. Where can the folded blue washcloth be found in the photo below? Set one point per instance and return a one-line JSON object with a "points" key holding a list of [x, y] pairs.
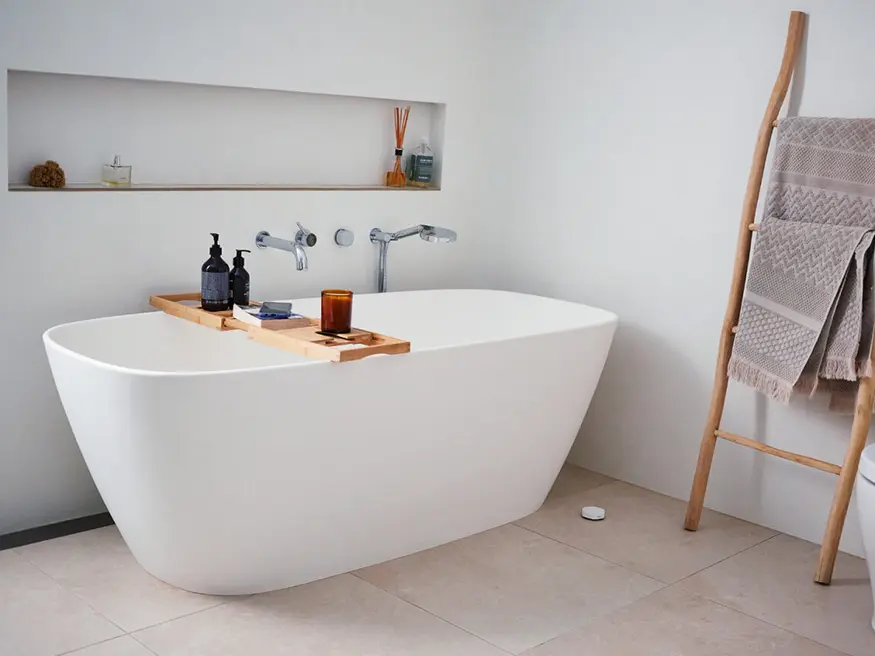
{"points": [[269, 310]]}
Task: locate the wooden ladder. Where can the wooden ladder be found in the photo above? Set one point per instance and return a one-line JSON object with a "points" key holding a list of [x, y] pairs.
{"points": [[866, 393]]}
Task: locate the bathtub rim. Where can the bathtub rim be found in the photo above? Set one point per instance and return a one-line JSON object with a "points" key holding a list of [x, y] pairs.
{"points": [[609, 318]]}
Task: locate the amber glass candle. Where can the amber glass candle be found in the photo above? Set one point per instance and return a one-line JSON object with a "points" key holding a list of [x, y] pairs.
{"points": [[336, 311]]}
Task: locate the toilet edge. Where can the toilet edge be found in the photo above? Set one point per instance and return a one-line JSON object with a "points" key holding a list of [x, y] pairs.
{"points": [[867, 464]]}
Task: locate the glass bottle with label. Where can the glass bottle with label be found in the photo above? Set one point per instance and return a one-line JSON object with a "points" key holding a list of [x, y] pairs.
{"points": [[420, 165], [215, 280], [115, 174]]}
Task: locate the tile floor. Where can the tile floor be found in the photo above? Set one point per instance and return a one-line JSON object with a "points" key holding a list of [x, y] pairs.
{"points": [[551, 584]]}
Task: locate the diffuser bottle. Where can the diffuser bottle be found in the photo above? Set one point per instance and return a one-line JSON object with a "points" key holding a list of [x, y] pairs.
{"points": [[215, 280]]}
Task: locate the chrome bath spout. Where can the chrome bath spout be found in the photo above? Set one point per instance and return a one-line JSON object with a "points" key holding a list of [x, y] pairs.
{"points": [[303, 238]]}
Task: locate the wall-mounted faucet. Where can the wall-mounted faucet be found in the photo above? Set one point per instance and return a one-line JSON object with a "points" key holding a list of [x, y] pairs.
{"points": [[430, 233], [303, 239]]}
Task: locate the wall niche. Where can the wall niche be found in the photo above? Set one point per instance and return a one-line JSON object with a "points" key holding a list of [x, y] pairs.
{"points": [[180, 136]]}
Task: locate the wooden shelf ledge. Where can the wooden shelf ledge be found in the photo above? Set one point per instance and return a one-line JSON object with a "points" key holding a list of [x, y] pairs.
{"points": [[216, 187]]}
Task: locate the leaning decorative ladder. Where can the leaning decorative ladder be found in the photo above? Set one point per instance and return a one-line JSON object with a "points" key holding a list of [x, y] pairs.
{"points": [[863, 406]]}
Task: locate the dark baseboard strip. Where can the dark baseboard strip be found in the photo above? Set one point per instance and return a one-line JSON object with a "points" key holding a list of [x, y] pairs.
{"points": [[51, 531]]}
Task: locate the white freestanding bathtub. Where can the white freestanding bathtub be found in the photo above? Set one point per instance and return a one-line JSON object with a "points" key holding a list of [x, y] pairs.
{"points": [[232, 467]]}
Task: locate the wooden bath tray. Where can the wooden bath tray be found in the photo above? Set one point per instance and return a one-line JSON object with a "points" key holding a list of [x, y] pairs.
{"points": [[303, 340]]}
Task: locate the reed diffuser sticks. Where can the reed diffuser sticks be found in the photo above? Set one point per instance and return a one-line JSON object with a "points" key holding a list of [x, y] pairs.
{"points": [[396, 177]]}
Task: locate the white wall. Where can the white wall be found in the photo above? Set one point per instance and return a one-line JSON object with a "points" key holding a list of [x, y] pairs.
{"points": [[647, 114], [73, 256]]}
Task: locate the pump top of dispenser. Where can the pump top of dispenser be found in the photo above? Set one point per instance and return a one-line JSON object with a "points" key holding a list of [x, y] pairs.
{"points": [[215, 249], [238, 259]]}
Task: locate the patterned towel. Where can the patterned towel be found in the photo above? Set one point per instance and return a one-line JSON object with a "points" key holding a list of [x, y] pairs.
{"points": [[809, 309]]}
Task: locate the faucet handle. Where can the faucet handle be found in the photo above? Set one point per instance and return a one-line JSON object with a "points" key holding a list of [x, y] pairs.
{"points": [[304, 237]]}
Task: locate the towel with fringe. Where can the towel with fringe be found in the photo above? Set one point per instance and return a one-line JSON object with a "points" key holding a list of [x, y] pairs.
{"points": [[808, 314]]}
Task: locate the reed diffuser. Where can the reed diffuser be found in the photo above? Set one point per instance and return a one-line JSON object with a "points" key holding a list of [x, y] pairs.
{"points": [[396, 177]]}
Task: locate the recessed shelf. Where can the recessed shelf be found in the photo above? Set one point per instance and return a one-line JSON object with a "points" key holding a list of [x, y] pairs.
{"points": [[216, 187], [200, 137]]}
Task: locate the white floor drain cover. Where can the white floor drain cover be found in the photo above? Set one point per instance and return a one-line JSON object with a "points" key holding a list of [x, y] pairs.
{"points": [[592, 513]]}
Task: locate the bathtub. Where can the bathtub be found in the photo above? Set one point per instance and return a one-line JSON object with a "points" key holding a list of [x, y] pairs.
{"points": [[231, 467]]}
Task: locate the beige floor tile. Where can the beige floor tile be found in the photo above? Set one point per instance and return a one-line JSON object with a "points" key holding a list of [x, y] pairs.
{"points": [[643, 531], [98, 567], [510, 586], [124, 646], [773, 581], [39, 618], [573, 480], [673, 622], [341, 615]]}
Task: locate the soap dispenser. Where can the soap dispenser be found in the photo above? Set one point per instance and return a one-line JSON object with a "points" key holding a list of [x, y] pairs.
{"points": [[420, 165], [215, 280], [239, 280]]}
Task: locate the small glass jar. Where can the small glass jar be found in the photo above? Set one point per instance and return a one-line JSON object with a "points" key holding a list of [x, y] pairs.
{"points": [[336, 311], [116, 175]]}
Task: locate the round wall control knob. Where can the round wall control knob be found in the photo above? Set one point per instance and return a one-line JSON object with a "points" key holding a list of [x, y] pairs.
{"points": [[344, 238]]}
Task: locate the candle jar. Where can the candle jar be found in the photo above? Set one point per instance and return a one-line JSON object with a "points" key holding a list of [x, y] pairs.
{"points": [[336, 311]]}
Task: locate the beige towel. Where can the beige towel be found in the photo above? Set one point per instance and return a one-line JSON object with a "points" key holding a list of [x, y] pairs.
{"points": [[809, 309]]}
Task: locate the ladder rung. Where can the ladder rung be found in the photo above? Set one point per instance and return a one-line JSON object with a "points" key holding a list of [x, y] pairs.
{"points": [[786, 455]]}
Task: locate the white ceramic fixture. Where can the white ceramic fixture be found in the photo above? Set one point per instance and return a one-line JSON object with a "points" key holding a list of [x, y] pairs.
{"points": [[866, 508], [231, 467]]}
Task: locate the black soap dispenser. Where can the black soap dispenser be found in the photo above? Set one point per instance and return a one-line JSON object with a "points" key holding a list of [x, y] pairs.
{"points": [[215, 280], [239, 280]]}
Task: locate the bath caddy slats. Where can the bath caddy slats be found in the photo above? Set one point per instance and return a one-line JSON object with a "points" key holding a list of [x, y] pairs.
{"points": [[304, 339], [176, 305]]}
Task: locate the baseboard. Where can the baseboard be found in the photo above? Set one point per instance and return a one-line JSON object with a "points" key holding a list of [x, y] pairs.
{"points": [[56, 530]]}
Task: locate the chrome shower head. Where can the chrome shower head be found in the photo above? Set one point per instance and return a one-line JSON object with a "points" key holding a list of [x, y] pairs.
{"points": [[426, 232], [437, 235]]}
